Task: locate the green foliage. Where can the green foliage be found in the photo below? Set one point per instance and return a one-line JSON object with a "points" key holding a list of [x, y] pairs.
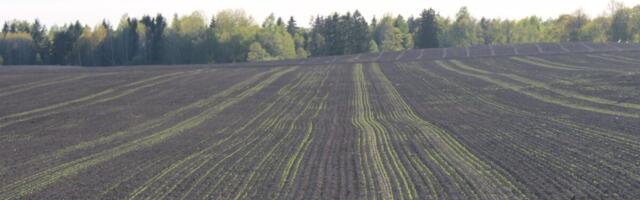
{"points": [[257, 53], [276, 40], [41, 42], [127, 39], [530, 29], [233, 35], [339, 34], [444, 25], [390, 38], [392, 34], [408, 41], [16, 26], [154, 35], [596, 30], [487, 31], [373, 47], [635, 24], [464, 29], [190, 40], [621, 26], [576, 25], [317, 44], [301, 53], [193, 24], [235, 30], [292, 27], [401, 24], [63, 43], [426, 35], [300, 40], [87, 43], [17, 49], [280, 22]]}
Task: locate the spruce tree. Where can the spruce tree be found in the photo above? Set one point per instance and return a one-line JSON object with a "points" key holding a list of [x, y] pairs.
{"points": [[292, 27], [280, 22], [427, 34]]}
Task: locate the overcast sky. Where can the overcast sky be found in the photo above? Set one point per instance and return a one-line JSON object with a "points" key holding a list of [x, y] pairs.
{"points": [[93, 11]]}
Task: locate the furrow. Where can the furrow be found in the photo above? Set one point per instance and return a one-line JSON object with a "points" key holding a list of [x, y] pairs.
{"points": [[370, 135], [285, 122], [633, 60], [310, 107], [184, 168], [547, 99], [575, 153], [488, 183], [259, 166], [543, 63], [612, 58], [42, 179], [236, 146], [38, 84], [293, 164], [90, 99], [135, 130], [538, 84]]}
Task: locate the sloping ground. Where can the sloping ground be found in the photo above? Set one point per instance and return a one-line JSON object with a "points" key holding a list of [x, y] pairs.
{"points": [[476, 123], [539, 49]]}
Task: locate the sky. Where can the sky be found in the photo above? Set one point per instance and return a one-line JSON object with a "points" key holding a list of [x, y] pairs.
{"points": [[94, 11]]}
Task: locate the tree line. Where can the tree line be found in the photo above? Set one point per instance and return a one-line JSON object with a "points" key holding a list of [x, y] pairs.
{"points": [[234, 36]]}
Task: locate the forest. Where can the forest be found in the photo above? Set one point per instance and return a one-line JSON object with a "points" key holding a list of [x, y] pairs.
{"points": [[234, 36]]}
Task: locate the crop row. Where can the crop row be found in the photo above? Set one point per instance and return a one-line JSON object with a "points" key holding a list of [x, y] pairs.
{"points": [[518, 132], [551, 95], [524, 127], [46, 177], [425, 149]]}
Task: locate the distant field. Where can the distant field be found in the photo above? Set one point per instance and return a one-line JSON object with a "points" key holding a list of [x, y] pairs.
{"points": [[536, 121]]}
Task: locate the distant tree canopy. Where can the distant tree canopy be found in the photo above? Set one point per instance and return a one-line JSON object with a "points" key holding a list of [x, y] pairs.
{"points": [[276, 40], [234, 36], [392, 34], [339, 35]]}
